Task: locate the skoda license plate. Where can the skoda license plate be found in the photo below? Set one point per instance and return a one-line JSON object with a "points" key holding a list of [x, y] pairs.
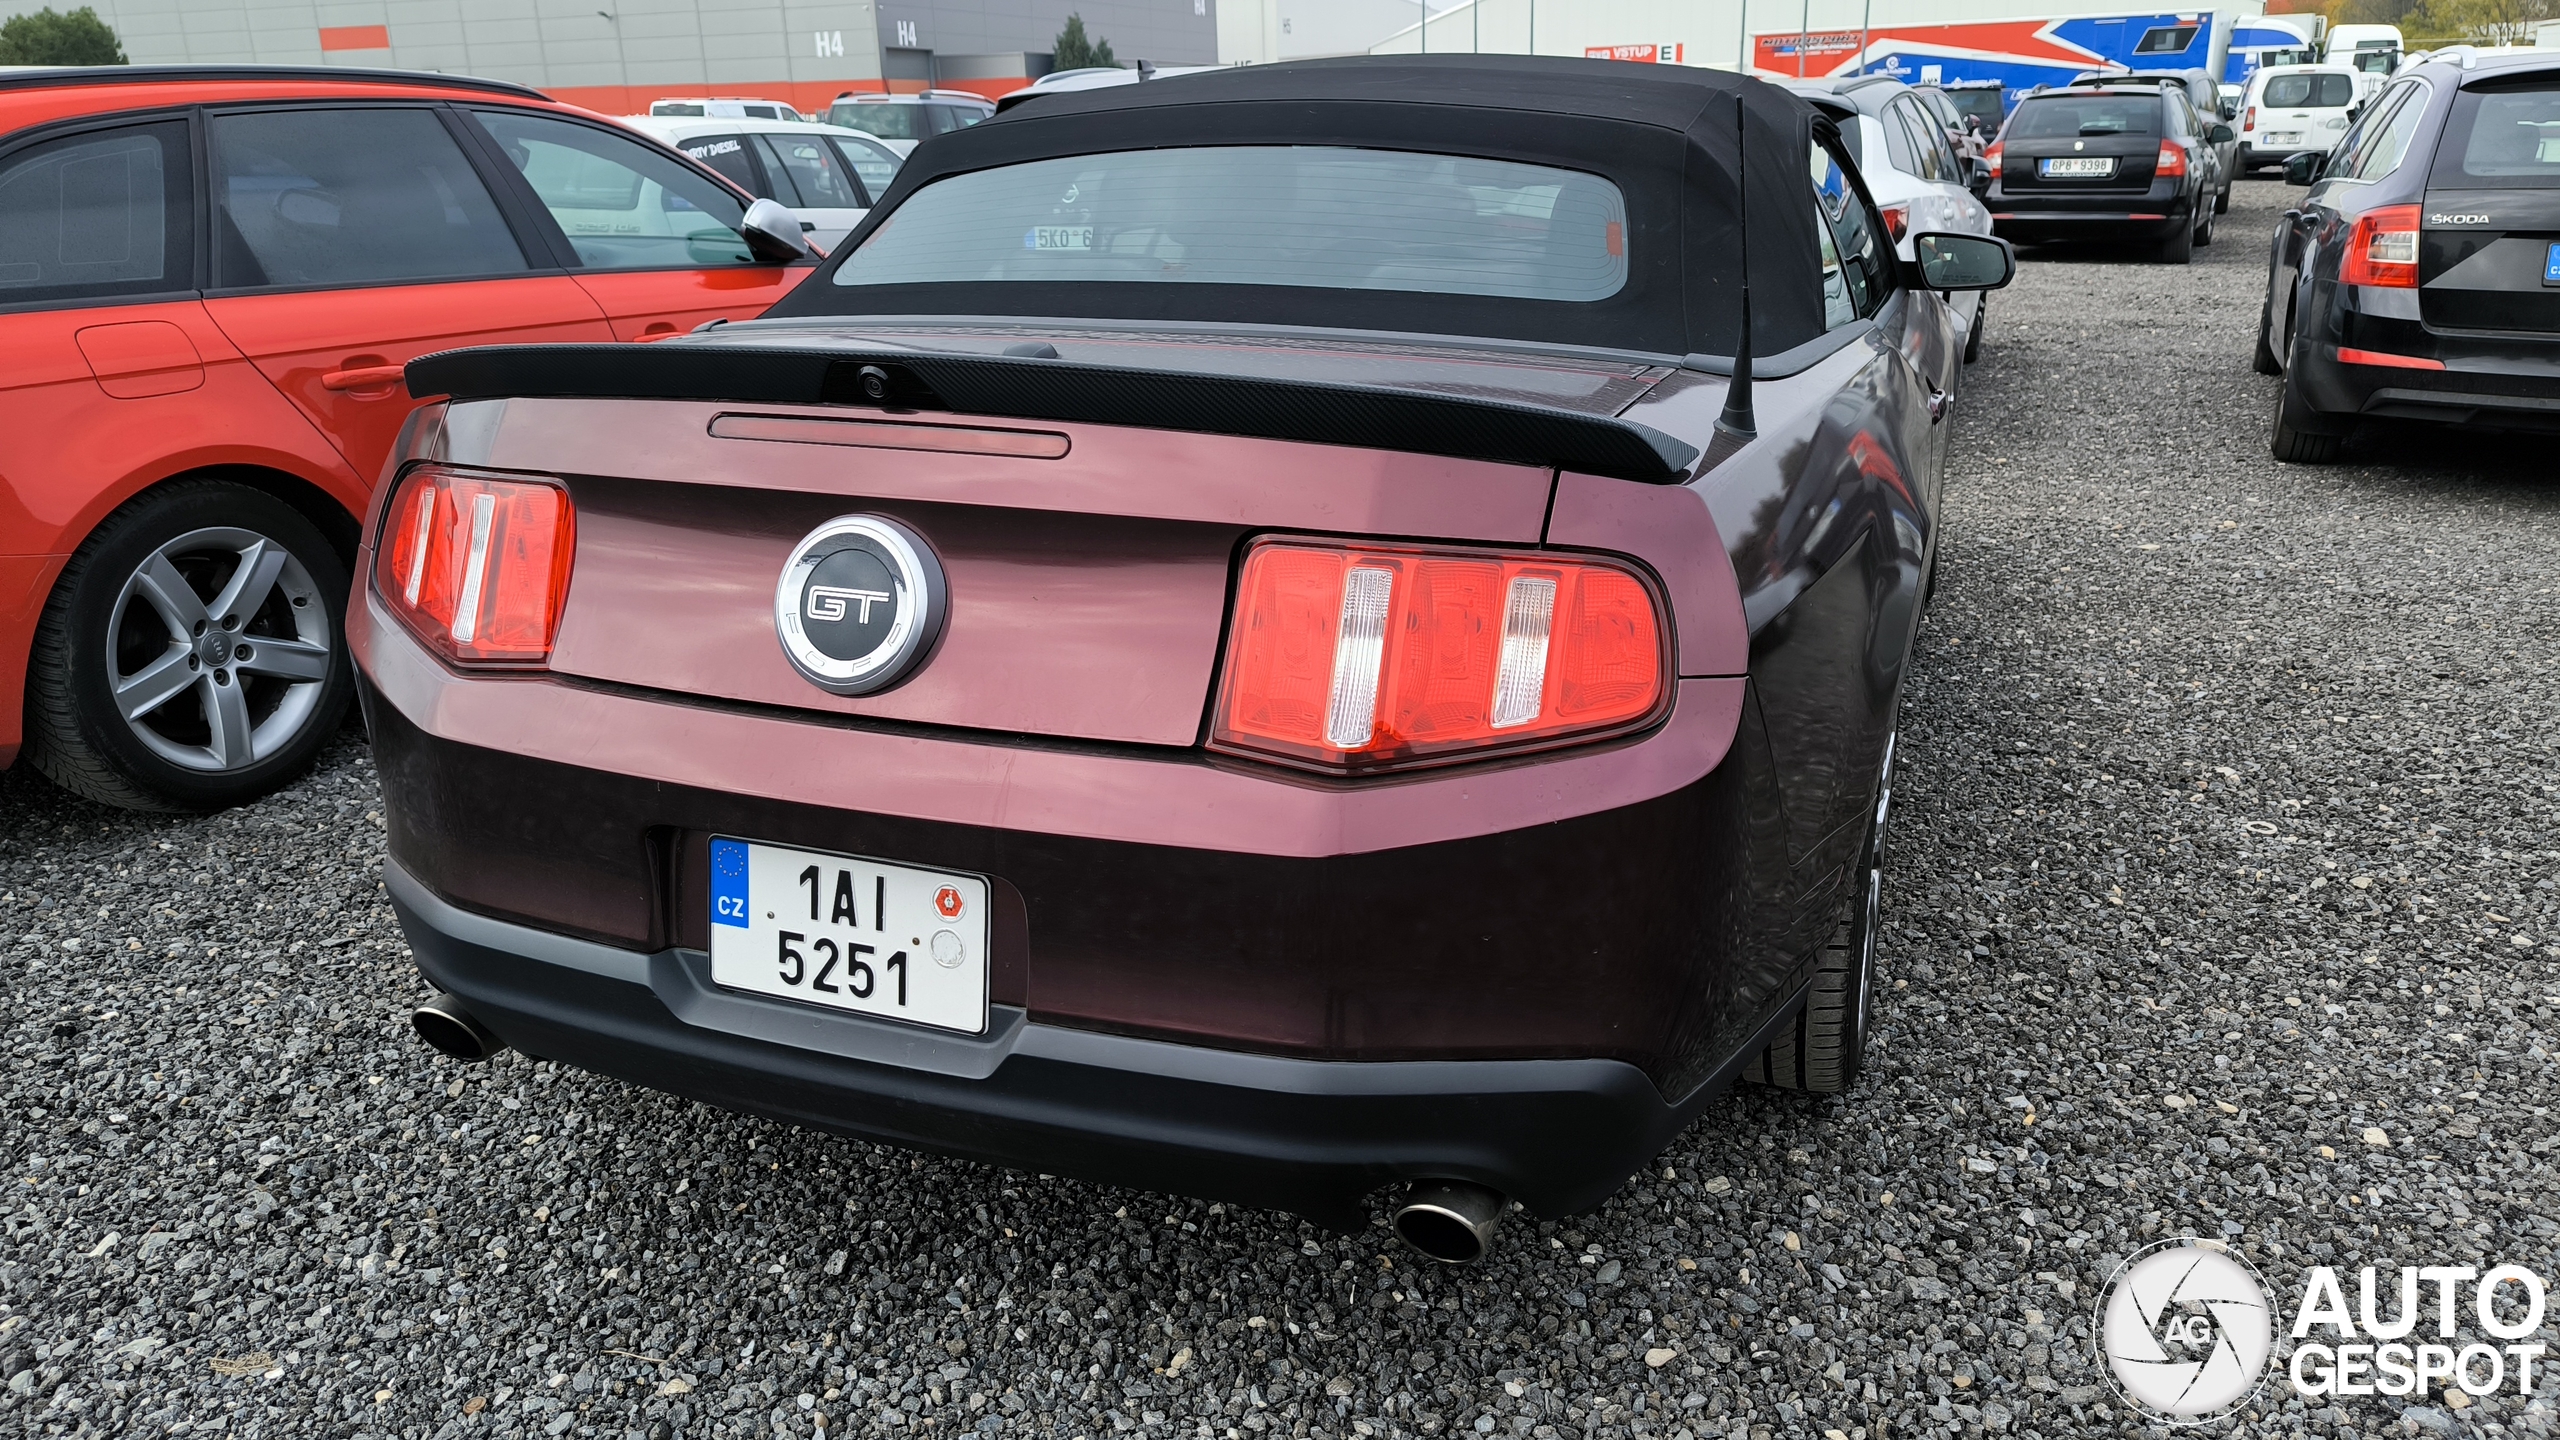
{"points": [[2094, 167], [850, 933]]}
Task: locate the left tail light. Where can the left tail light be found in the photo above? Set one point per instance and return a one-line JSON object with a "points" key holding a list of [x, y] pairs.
{"points": [[2382, 249], [2173, 160], [1357, 658], [477, 565]]}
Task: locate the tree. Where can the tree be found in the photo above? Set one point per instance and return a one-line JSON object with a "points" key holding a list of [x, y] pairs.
{"points": [[1075, 52], [45, 38]]}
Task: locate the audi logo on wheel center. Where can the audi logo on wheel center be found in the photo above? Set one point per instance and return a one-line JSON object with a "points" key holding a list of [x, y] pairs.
{"points": [[859, 605]]}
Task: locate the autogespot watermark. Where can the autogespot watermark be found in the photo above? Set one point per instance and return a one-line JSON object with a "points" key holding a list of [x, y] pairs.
{"points": [[2188, 1329]]}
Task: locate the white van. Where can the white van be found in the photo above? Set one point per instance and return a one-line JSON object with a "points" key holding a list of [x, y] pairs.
{"points": [[2293, 108]]}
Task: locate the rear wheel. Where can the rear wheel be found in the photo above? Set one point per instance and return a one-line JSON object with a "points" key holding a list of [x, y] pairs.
{"points": [[2222, 201], [2204, 232], [2180, 248], [1825, 1046], [1973, 336], [2300, 436], [190, 657]]}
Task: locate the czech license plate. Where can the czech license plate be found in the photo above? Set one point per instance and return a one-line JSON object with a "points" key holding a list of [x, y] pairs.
{"points": [[2093, 167], [2551, 264], [2281, 137], [1058, 237], [850, 934]]}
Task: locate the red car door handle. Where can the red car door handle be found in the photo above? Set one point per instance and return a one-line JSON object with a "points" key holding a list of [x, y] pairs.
{"points": [[370, 377]]}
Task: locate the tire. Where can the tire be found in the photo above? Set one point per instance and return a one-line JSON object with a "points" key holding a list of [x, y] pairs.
{"points": [[2180, 248], [2204, 232], [216, 611], [2222, 201], [1973, 335], [2264, 360], [1824, 1048], [2297, 438]]}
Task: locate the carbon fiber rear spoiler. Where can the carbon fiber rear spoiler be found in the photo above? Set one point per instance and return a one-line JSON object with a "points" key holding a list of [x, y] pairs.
{"points": [[1369, 416]]}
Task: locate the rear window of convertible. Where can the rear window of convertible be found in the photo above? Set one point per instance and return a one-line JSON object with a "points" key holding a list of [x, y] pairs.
{"points": [[1326, 216]]}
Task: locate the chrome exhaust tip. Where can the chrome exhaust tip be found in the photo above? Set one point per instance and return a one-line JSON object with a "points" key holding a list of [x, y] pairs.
{"points": [[444, 1024], [1452, 1221]]}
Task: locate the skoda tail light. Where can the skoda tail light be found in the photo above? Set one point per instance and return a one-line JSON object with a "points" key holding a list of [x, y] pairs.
{"points": [[1993, 156], [2382, 249], [2173, 160], [477, 565], [1369, 657]]}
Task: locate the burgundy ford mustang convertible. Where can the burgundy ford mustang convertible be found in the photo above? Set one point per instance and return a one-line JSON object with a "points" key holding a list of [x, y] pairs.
{"points": [[1242, 638]]}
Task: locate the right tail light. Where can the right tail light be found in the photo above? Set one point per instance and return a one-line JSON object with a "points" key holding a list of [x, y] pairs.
{"points": [[477, 565], [2173, 160], [1897, 222], [2382, 249], [1357, 658]]}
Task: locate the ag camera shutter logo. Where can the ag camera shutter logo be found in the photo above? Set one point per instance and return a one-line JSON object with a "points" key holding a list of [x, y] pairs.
{"points": [[2187, 1331]]}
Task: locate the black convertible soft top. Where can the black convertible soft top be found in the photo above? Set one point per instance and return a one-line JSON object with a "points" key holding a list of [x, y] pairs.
{"points": [[1673, 139]]}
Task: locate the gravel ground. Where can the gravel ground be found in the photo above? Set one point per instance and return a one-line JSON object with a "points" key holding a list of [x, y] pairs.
{"points": [[2221, 904]]}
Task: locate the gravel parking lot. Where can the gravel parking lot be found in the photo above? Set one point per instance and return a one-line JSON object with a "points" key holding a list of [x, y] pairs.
{"points": [[2221, 903]]}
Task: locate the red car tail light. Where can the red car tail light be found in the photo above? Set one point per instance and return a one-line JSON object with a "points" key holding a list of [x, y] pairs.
{"points": [[1897, 221], [477, 565], [2351, 356], [2173, 161], [2382, 249], [1992, 156], [1360, 657], [2249, 118]]}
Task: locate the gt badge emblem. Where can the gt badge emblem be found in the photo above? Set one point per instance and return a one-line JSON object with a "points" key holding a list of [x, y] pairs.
{"points": [[946, 902], [860, 603]]}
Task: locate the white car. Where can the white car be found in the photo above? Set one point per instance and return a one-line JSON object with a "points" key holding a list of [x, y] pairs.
{"points": [[2293, 108], [1911, 167], [825, 174], [911, 118], [742, 107]]}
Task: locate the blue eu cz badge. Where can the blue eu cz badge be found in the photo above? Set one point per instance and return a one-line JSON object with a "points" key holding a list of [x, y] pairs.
{"points": [[729, 882]]}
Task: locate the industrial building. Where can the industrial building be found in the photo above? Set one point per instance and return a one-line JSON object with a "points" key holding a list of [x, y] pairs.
{"points": [[617, 55]]}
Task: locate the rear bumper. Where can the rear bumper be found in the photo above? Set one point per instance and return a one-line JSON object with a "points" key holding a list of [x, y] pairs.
{"points": [[1309, 1136], [2508, 382], [2039, 217]]}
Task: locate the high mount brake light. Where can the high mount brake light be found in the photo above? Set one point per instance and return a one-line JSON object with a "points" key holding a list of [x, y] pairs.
{"points": [[2173, 161], [1357, 658], [477, 565], [2382, 249]]}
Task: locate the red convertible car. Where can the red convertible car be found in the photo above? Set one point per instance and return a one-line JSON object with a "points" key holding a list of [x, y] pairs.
{"points": [[1322, 627]]}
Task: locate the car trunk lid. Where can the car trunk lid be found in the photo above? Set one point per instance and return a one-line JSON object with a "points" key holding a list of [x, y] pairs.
{"points": [[1088, 564], [2490, 260]]}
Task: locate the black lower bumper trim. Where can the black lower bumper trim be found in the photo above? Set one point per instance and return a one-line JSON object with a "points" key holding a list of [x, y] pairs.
{"points": [[1314, 1137]]}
